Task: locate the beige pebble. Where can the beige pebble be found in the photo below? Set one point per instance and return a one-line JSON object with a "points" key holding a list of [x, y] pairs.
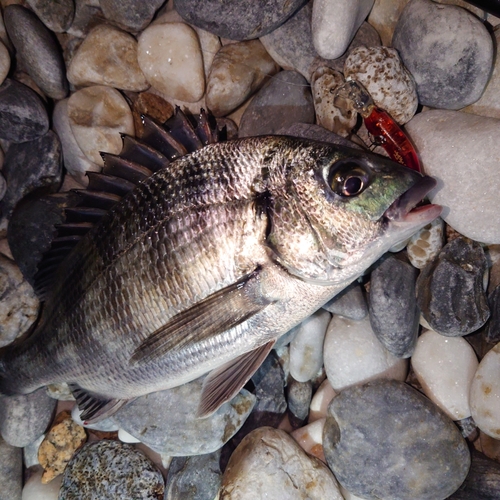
{"points": [[4, 62], [320, 401], [310, 438], [384, 17], [107, 56], [426, 244], [98, 115]]}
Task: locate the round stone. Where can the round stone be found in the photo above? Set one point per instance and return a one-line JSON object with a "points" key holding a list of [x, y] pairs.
{"points": [[131, 15], [57, 16]]}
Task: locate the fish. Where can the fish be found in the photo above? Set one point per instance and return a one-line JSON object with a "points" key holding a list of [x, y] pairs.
{"points": [[199, 267]]}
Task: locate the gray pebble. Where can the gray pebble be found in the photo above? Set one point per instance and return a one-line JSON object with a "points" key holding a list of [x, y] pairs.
{"points": [[194, 478], [38, 49], [299, 399], [237, 19], [57, 16], [448, 51], [394, 315], [110, 469], [350, 303], [11, 471], [386, 440], [86, 12], [450, 289], [285, 100], [130, 15], [22, 114], [492, 333], [24, 418]]}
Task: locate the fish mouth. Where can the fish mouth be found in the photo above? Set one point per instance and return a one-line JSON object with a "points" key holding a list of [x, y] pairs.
{"points": [[406, 208]]}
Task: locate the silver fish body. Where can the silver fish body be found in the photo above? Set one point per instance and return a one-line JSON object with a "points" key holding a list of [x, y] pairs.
{"points": [[213, 258]]}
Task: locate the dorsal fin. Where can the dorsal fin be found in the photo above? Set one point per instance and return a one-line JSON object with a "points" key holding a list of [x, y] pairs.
{"points": [[138, 160]]}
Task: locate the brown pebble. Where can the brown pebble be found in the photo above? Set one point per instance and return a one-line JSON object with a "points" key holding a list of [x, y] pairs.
{"points": [[149, 104]]}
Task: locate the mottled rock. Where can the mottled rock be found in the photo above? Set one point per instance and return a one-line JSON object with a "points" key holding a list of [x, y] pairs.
{"points": [[23, 419], [450, 289], [384, 17], [268, 463], [34, 489], [237, 19], [350, 303], [170, 57], [11, 471], [166, 420], [109, 469], [320, 401], [299, 398], [394, 313], [107, 56], [448, 51], [286, 99], [238, 70], [4, 62], [22, 114], [386, 440], [459, 150], [131, 15], [37, 48], [18, 303], [492, 333], [426, 244], [445, 367], [57, 16]]}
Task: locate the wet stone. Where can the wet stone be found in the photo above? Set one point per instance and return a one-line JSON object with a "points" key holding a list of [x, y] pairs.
{"points": [[131, 15], [299, 396], [237, 19], [57, 16], [386, 440], [194, 478], [22, 114], [23, 419], [38, 49], [109, 469], [493, 326], [350, 303], [450, 289], [394, 313], [11, 471]]}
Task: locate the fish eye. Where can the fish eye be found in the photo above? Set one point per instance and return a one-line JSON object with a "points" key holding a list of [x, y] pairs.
{"points": [[348, 178]]}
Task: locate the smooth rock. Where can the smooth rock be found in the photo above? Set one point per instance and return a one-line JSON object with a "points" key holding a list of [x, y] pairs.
{"points": [[22, 114], [125, 437], [107, 56], [86, 12], [448, 51], [24, 418], [291, 44], [450, 290], [238, 70], [445, 367], [386, 440], [285, 100], [334, 24], [268, 463], [320, 401], [492, 333], [11, 471], [459, 150], [34, 489], [166, 420], [170, 57], [384, 17], [310, 438], [237, 20], [381, 71], [4, 62], [299, 398], [98, 116], [57, 16], [194, 478], [109, 469], [394, 313], [18, 303], [306, 348], [426, 244], [131, 15], [39, 51], [485, 394], [350, 303], [30, 453], [354, 355]]}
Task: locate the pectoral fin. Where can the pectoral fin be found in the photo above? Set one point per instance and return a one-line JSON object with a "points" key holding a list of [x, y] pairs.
{"points": [[213, 315], [225, 382]]}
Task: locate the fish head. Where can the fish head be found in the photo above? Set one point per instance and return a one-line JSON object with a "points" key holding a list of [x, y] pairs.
{"points": [[335, 210]]}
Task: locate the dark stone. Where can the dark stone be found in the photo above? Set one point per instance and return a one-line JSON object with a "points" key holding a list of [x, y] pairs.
{"points": [[57, 16], [317, 133], [130, 15], [299, 399], [22, 114], [38, 49], [285, 100], [237, 19], [31, 166], [11, 471], [194, 478], [350, 303], [386, 440], [110, 469], [492, 332], [448, 51], [450, 289], [394, 315]]}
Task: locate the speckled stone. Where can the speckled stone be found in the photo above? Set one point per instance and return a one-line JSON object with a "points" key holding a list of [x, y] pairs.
{"points": [[350, 303], [426, 244], [131, 15], [386, 440], [57, 16], [109, 469], [11, 471]]}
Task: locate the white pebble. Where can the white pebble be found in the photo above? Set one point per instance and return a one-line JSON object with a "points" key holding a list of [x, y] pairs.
{"points": [[320, 401], [125, 437], [426, 244], [35, 490], [306, 349], [310, 438], [445, 366], [354, 355]]}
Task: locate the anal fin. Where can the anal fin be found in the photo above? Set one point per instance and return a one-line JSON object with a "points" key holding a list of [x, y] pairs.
{"points": [[224, 383]]}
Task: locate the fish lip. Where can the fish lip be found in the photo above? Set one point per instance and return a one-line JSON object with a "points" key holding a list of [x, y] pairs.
{"points": [[404, 208]]}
